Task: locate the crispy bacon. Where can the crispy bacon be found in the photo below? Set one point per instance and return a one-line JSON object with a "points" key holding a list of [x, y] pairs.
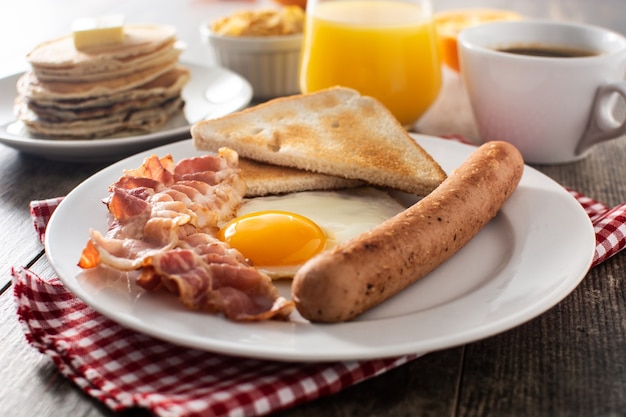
{"points": [[164, 219], [124, 205], [158, 169], [238, 290]]}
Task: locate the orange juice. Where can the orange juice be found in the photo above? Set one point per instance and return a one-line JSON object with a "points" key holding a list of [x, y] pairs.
{"points": [[384, 49]]}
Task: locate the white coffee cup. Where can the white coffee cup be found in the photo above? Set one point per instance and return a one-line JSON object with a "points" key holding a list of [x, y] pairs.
{"points": [[554, 109]]}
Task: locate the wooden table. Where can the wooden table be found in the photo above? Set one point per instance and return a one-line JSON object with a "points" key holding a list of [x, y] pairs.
{"points": [[569, 361]]}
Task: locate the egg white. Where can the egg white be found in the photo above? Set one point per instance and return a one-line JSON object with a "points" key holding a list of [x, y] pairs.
{"points": [[341, 214]]}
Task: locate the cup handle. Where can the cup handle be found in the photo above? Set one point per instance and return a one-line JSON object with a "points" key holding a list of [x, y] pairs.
{"points": [[602, 125]]}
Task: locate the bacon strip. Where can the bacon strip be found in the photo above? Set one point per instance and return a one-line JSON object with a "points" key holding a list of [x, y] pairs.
{"points": [[164, 220]]}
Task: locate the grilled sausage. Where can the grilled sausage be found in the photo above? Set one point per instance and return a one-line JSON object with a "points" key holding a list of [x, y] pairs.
{"points": [[342, 283]]}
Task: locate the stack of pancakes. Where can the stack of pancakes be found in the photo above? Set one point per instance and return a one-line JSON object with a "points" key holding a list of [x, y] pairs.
{"points": [[116, 89]]}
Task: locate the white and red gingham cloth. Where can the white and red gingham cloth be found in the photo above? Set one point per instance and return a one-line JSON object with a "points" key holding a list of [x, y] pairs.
{"points": [[123, 368]]}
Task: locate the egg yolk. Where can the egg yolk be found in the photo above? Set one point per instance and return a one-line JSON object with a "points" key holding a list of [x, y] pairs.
{"points": [[273, 238]]}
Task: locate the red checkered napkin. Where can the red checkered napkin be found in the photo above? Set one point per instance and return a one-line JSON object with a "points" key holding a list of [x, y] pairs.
{"points": [[609, 224], [124, 369]]}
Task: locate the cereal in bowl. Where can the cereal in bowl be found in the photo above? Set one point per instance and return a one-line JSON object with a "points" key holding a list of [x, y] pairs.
{"points": [[287, 20]]}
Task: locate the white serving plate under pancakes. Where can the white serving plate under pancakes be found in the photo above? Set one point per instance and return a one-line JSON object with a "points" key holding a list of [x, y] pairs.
{"points": [[211, 92], [532, 255]]}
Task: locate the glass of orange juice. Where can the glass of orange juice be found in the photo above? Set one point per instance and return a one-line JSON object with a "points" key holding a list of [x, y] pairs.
{"points": [[386, 49]]}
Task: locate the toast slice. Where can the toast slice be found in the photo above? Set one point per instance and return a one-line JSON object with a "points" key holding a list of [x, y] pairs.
{"points": [[334, 131], [265, 179]]}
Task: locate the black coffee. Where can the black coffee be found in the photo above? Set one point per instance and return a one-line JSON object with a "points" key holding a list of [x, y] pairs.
{"points": [[549, 51]]}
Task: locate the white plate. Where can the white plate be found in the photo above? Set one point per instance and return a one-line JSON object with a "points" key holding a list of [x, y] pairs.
{"points": [[211, 92], [526, 260]]}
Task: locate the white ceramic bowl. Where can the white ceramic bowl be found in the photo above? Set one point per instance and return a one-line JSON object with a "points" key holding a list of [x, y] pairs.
{"points": [[269, 63]]}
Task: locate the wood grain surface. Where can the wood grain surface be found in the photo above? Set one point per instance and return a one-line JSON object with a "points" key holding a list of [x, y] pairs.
{"points": [[569, 361]]}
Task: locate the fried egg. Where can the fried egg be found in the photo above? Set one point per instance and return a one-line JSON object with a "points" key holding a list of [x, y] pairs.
{"points": [[280, 233]]}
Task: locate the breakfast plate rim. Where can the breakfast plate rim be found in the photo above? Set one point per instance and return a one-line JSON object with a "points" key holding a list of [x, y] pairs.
{"points": [[110, 148], [501, 305]]}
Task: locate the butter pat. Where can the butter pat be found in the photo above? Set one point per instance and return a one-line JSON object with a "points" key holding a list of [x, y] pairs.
{"points": [[90, 32]]}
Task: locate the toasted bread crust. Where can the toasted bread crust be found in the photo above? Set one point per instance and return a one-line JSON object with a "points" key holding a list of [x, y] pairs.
{"points": [[265, 179], [335, 132]]}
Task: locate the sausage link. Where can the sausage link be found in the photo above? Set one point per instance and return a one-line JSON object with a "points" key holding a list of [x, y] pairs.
{"points": [[342, 283]]}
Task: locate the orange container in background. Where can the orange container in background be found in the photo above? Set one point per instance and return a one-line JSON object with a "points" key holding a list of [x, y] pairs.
{"points": [[301, 3], [450, 23]]}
